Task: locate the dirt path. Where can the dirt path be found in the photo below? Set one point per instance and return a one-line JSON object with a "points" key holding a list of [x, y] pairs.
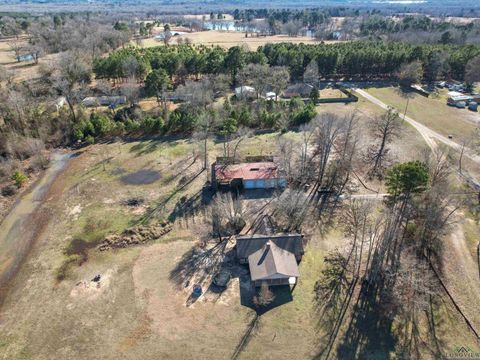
{"points": [[460, 273], [20, 227], [428, 134]]}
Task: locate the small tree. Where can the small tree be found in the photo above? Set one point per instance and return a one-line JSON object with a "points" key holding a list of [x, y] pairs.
{"points": [[264, 297], [406, 179]]}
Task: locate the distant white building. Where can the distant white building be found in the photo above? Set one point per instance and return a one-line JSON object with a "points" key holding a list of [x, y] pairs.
{"points": [[245, 92], [93, 101]]}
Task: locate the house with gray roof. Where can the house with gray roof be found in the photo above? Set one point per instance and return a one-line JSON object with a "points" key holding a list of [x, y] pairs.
{"points": [[272, 259]]}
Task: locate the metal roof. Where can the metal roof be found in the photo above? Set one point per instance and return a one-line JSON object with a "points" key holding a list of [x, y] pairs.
{"points": [[246, 171]]}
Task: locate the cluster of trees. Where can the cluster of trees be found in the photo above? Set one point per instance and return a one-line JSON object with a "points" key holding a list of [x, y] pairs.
{"points": [[370, 59], [57, 33], [352, 60], [392, 242], [178, 61]]}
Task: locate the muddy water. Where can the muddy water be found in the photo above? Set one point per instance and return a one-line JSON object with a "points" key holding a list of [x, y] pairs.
{"points": [[20, 227]]}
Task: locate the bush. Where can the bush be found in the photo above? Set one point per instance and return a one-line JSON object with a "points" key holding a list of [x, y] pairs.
{"points": [[9, 190], [19, 178]]}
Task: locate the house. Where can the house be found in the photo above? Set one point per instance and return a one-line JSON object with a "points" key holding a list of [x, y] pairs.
{"points": [[298, 90], [93, 101], [272, 259], [90, 101], [112, 100], [242, 92], [250, 175], [270, 95]]}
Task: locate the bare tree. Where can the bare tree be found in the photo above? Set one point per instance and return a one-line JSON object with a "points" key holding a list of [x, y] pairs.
{"points": [[278, 79], [227, 215], [384, 130], [130, 90], [71, 75], [311, 74]]}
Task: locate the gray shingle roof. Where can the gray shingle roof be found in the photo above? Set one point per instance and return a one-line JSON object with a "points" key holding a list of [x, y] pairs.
{"points": [[248, 244], [272, 262]]}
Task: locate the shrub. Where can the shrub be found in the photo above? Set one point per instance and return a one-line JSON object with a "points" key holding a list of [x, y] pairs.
{"points": [[9, 190], [19, 178]]}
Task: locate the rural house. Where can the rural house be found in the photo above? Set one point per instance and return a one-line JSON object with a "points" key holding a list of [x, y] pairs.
{"points": [[299, 90], [249, 175], [272, 259]]}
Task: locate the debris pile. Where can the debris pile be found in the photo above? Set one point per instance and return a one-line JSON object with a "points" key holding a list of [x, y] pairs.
{"points": [[135, 236]]}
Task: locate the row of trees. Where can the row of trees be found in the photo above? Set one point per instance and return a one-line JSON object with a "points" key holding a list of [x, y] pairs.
{"points": [[355, 59]]}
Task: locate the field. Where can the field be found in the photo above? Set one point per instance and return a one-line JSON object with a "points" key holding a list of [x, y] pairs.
{"points": [[228, 39], [432, 112], [22, 70]]}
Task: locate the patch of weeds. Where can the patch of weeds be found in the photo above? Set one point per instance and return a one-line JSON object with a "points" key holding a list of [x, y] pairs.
{"points": [[76, 251]]}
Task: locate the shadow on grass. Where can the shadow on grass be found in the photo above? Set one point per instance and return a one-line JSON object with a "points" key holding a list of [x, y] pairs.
{"points": [[198, 264], [161, 204], [369, 332]]}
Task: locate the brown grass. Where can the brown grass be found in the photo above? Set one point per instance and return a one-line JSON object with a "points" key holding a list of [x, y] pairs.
{"points": [[228, 39]]}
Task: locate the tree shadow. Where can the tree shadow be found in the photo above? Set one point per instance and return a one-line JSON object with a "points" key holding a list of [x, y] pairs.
{"points": [[198, 264], [282, 294], [369, 333]]}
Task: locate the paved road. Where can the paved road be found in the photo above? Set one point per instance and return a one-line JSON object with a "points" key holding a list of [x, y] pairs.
{"points": [[428, 134]]}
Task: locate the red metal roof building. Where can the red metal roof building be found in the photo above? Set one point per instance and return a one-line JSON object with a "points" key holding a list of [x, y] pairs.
{"points": [[254, 175]]}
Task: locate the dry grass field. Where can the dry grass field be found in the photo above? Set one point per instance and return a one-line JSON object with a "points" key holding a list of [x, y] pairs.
{"points": [[432, 112], [228, 39], [22, 70]]}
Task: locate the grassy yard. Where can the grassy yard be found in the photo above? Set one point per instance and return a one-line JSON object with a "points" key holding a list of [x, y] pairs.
{"points": [[432, 112]]}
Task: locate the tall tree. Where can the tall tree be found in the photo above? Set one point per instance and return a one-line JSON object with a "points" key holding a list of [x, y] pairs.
{"points": [[384, 129]]}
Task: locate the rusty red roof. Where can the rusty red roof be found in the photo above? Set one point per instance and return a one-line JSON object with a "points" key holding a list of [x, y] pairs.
{"points": [[246, 171]]}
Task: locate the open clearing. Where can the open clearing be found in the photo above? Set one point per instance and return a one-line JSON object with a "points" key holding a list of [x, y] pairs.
{"points": [[228, 39], [26, 70], [432, 112]]}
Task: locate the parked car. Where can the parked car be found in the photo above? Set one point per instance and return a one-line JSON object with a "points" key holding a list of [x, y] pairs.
{"points": [[461, 104], [473, 106]]}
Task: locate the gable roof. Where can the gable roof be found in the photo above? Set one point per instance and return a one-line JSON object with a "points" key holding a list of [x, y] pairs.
{"points": [[272, 262], [248, 244], [299, 88], [246, 171]]}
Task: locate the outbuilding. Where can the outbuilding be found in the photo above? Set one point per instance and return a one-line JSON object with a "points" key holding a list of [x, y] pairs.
{"points": [[253, 175]]}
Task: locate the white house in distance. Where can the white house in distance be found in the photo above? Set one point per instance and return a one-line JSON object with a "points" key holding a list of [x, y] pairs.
{"points": [[242, 92]]}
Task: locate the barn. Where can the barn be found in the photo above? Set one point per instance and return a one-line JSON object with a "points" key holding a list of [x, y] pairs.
{"points": [[254, 175]]}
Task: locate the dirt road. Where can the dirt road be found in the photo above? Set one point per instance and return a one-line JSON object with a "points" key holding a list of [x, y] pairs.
{"points": [[20, 227], [428, 134]]}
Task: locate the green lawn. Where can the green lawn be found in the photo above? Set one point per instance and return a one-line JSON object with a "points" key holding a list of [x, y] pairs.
{"points": [[432, 112]]}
